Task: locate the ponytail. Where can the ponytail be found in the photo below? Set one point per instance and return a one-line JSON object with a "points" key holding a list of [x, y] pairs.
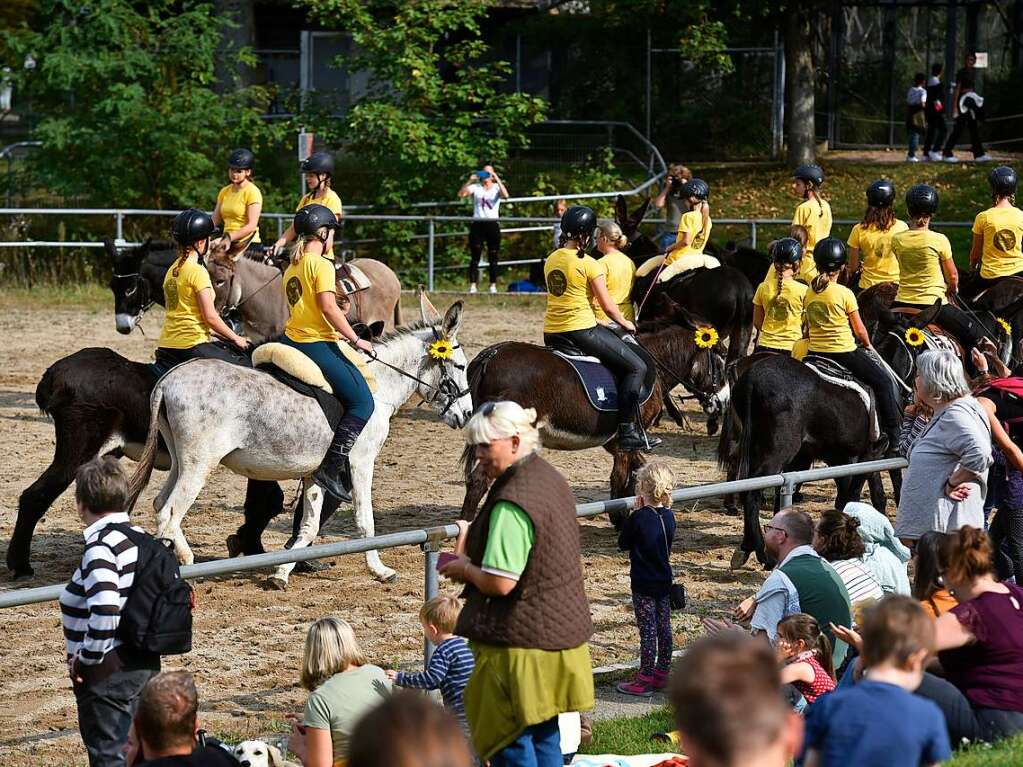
{"points": [[820, 282], [823, 652], [182, 257], [705, 212]]}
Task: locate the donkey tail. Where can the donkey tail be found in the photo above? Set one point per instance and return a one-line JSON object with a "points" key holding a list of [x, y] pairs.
{"points": [[144, 470]]}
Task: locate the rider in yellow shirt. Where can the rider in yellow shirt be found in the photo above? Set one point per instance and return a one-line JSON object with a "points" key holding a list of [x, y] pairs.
{"points": [[927, 273], [834, 324], [778, 305], [997, 234], [188, 296], [619, 271], [693, 235], [871, 261], [813, 213], [313, 327], [239, 204], [319, 172], [574, 280]]}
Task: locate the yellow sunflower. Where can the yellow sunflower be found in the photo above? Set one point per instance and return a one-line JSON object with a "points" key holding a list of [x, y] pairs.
{"points": [[1005, 326], [914, 337], [441, 349], [706, 337]]}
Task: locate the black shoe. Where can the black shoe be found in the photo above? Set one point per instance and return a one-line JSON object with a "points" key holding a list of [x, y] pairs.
{"points": [[335, 473], [631, 438]]}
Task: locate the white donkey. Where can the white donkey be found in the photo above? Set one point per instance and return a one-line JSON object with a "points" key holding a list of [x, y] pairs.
{"points": [[211, 412]]}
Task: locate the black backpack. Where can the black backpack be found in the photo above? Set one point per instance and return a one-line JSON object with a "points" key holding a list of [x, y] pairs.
{"points": [[157, 615]]}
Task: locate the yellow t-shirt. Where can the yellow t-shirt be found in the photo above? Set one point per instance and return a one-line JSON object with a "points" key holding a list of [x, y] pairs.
{"points": [[815, 217], [877, 262], [691, 223], [234, 207], [920, 253], [568, 291], [330, 201], [783, 316], [183, 325], [827, 316], [312, 275], [619, 272], [1003, 233]]}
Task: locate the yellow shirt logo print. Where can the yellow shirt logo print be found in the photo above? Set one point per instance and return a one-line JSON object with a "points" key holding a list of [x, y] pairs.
{"points": [[170, 294], [557, 284], [1005, 240], [293, 290]]}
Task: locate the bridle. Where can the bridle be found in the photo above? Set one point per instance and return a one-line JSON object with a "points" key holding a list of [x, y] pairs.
{"points": [[447, 390], [136, 286], [230, 309], [698, 393]]}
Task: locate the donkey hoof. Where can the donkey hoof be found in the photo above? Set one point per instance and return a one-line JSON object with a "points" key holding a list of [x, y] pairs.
{"points": [[387, 576], [739, 558], [234, 545], [732, 511], [276, 583], [23, 571], [712, 427]]}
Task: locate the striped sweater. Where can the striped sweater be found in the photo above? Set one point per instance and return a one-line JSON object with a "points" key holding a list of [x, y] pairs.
{"points": [[449, 670], [91, 603]]}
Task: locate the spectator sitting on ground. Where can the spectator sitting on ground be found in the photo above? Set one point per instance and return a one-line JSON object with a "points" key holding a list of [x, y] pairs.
{"points": [[408, 730], [805, 654], [837, 539], [801, 583], [884, 555], [450, 664], [167, 725], [928, 586], [729, 709], [343, 686], [879, 722]]}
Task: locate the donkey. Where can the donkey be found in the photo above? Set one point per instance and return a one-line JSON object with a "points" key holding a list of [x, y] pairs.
{"points": [[252, 289], [137, 280], [211, 412], [535, 377]]}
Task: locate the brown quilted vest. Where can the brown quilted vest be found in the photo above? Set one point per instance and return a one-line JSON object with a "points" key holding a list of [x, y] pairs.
{"points": [[548, 609]]}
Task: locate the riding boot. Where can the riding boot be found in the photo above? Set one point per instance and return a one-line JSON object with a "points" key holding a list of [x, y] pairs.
{"points": [[632, 437], [335, 472]]}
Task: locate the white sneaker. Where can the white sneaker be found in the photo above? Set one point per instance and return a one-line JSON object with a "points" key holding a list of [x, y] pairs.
{"points": [[949, 159], [472, 289], [984, 158], [935, 156], [913, 158], [493, 288]]}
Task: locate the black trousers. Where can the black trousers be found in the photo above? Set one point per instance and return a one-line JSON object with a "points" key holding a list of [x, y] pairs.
{"points": [[628, 367], [964, 720], [169, 358], [863, 365], [484, 233], [934, 138], [1006, 533], [967, 123], [973, 284]]}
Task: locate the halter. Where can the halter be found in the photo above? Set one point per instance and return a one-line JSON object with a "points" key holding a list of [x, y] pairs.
{"points": [[135, 286], [698, 393], [447, 388]]}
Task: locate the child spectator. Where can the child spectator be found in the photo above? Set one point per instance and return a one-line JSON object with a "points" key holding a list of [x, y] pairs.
{"points": [[879, 721], [647, 534], [916, 120], [928, 587], [805, 654], [451, 663]]}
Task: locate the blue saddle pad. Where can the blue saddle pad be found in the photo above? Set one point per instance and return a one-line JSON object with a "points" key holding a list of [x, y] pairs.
{"points": [[597, 380]]}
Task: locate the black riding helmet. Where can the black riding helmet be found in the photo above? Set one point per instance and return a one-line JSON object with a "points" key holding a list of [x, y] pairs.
{"points": [[695, 187], [881, 194], [787, 250], [1002, 181], [319, 162], [829, 254], [922, 200], [192, 226], [578, 222], [812, 173], [241, 159], [312, 218]]}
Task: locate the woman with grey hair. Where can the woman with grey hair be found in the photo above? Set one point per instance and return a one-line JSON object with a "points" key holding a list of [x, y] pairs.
{"points": [[946, 482], [526, 615]]}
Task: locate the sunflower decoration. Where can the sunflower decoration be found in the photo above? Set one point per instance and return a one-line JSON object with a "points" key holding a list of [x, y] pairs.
{"points": [[1005, 326], [915, 337], [442, 349], [706, 337]]}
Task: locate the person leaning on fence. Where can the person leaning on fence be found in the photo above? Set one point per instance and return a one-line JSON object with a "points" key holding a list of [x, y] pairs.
{"points": [[726, 695], [526, 615], [107, 676]]}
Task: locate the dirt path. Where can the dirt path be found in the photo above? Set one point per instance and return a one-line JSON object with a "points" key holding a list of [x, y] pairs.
{"points": [[248, 640]]}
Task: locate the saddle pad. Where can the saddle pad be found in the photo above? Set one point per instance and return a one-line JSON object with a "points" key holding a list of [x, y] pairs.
{"points": [[599, 383], [836, 374], [352, 279], [292, 361]]}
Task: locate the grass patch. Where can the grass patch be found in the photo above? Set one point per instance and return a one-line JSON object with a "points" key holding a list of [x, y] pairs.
{"points": [[1003, 753], [62, 296]]}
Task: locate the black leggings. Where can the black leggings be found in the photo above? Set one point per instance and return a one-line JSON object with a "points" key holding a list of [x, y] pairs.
{"points": [[967, 123], [484, 233], [967, 330], [863, 365], [1006, 533], [168, 358], [626, 364]]}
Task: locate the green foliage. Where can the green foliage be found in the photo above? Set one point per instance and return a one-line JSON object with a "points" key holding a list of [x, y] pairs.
{"points": [[432, 82], [129, 110], [703, 41]]}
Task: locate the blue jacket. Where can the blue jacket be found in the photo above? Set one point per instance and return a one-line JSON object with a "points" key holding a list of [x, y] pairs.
{"points": [[644, 538]]}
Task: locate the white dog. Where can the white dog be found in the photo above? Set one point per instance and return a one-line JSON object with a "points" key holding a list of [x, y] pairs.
{"points": [[256, 753]]}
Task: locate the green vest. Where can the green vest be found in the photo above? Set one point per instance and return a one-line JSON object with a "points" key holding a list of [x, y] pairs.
{"points": [[822, 595]]}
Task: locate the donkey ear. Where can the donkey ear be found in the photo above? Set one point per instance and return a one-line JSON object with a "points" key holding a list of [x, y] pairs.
{"points": [[427, 310], [376, 329], [621, 212], [927, 316], [639, 214], [453, 319], [144, 247], [108, 246]]}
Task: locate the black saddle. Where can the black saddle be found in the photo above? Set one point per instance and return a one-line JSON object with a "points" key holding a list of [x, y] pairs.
{"points": [[597, 379]]}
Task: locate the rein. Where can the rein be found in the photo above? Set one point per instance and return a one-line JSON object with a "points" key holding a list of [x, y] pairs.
{"points": [[685, 380], [233, 307], [447, 387]]}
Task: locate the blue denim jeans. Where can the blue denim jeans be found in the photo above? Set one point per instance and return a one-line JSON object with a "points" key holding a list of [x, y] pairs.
{"points": [[914, 143], [537, 746], [344, 378]]}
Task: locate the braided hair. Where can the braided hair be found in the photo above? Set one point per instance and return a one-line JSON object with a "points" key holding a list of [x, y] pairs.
{"points": [[820, 282]]}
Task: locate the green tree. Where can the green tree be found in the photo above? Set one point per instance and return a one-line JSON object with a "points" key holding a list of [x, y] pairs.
{"points": [[125, 94], [434, 101]]}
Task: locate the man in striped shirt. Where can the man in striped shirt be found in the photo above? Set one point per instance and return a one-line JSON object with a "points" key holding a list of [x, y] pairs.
{"points": [[107, 677]]}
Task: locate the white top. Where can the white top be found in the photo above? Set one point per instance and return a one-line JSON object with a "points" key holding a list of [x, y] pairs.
{"points": [[916, 96], [485, 202]]}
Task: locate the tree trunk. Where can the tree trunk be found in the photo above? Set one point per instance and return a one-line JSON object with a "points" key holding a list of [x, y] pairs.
{"points": [[241, 34], [799, 84]]}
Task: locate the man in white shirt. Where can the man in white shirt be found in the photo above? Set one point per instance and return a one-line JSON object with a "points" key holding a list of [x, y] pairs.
{"points": [[487, 191]]}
